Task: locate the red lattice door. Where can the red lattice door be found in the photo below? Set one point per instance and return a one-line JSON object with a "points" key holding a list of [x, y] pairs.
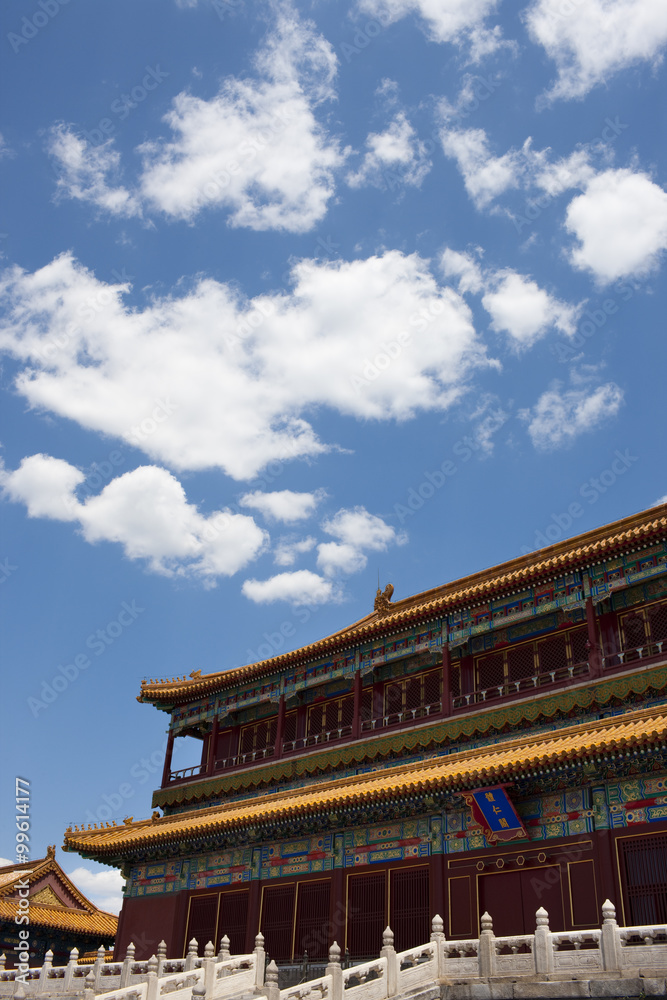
{"points": [[312, 918], [278, 920], [202, 921], [409, 906], [233, 919], [644, 870], [366, 914]]}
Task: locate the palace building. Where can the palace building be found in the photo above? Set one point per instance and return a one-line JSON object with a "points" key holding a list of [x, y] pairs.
{"points": [[495, 744], [57, 915]]}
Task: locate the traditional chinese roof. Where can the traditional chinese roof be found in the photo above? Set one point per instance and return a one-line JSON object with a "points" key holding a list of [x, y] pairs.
{"points": [[55, 902], [467, 769], [584, 550]]}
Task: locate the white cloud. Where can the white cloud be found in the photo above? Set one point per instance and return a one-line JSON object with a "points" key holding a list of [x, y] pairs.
{"points": [[464, 267], [660, 501], [590, 40], [560, 416], [256, 149], [485, 176], [568, 172], [355, 530], [460, 22], [283, 505], [300, 587], [287, 550], [525, 311], [209, 379], [145, 511], [103, 888], [621, 223], [84, 172], [396, 152]]}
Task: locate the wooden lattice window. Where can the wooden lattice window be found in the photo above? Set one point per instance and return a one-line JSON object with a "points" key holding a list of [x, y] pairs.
{"points": [[520, 662], [552, 654], [412, 697], [645, 879], [490, 671], [259, 737], [332, 718]]}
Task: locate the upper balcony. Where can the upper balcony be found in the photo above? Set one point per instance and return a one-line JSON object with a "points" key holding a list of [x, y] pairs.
{"points": [[464, 685]]}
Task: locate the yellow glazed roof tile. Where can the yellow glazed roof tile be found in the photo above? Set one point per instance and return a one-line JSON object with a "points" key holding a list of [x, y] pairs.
{"points": [[469, 768], [584, 549], [64, 918]]}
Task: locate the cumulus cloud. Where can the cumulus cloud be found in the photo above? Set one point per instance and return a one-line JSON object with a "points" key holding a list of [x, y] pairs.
{"points": [[300, 587], [256, 149], [209, 379], [103, 888], [593, 39], [560, 416], [287, 550], [394, 153], [464, 267], [485, 176], [459, 22], [355, 530], [85, 173], [283, 505], [518, 306], [145, 511], [620, 222]]}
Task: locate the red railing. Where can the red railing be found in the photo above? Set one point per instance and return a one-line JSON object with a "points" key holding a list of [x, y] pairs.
{"points": [[560, 675]]}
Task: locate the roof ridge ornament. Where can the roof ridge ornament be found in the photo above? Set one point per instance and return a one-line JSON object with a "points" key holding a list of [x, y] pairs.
{"points": [[383, 599]]}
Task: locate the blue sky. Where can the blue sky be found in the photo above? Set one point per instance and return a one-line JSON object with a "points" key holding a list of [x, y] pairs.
{"points": [[293, 296]]}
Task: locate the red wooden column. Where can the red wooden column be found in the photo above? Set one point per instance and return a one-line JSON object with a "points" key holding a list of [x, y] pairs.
{"points": [[437, 885], [166, 770], [337, 909], [252, 927], [446, 681], [212, 744], [356, 715], [280, 727], [594, 656]]}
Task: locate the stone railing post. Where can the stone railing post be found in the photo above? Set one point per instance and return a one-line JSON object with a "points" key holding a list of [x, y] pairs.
{"points": [[98, 965], [389, 953], [161, 957], [260, 959], [224, 953], [438, 939], [334, 970], [271, 988], [89, 986], [3, 962], [198, 991], [543, 951], [70, 969], [128, 963], [44, 972], [610, 939], [152, 988], [191, 956], [486, 950], [209, 969]]}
